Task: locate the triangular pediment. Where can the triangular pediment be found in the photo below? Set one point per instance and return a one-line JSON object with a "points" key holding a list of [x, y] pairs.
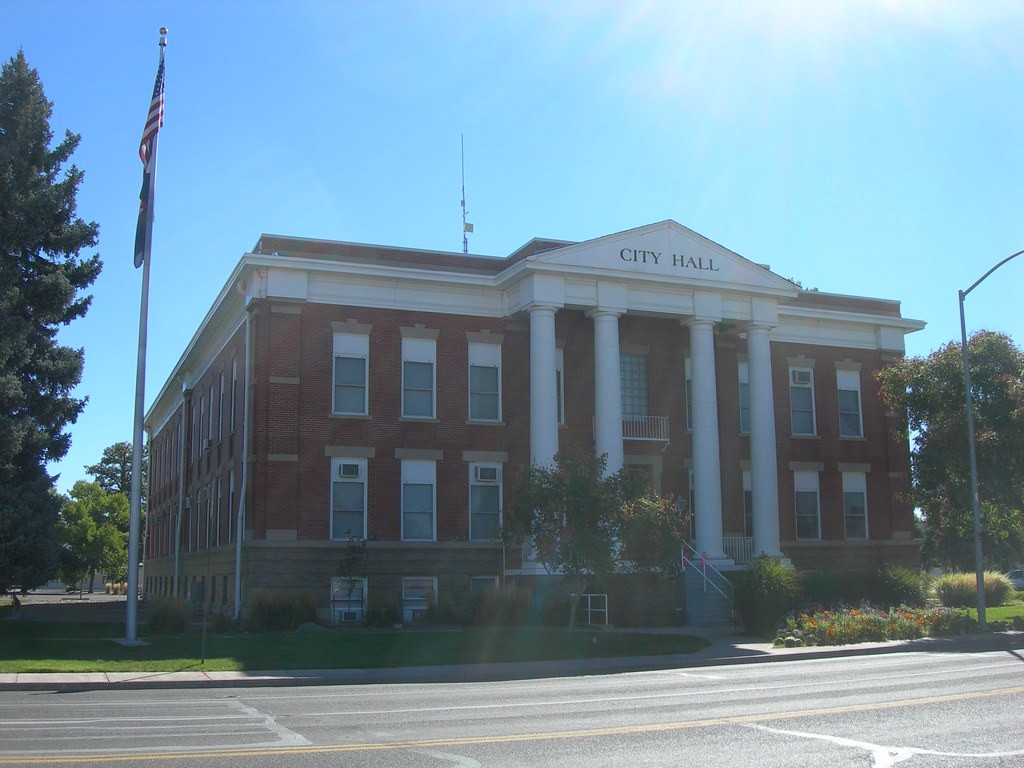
{"points": [[664, 251]]}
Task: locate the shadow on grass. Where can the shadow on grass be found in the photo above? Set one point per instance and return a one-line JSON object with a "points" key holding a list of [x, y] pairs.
{"points": [[56, 647]]}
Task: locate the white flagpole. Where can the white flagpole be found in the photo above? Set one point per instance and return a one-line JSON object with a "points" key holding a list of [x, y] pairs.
{"points": [[135, 509]]}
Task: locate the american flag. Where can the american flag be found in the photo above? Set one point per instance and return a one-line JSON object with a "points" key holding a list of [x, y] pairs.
{"points": [[147, 152], [156, 115]]}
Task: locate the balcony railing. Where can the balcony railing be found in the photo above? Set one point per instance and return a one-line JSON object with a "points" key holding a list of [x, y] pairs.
{"points": [[739, 548], [645, 428]]}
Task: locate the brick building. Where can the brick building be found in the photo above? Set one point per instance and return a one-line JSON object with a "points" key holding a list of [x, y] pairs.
{"points": [[338, 392]]}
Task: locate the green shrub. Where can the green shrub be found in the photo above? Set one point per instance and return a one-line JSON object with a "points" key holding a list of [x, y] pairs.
{"points": [[280, 610], [901, 586], [170, 616], [960, 590], [383, 614], [887, 587], [764, 593], [506, 606]]}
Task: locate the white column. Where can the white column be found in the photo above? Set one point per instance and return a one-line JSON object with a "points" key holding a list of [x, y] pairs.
{"points": [[543, 394], [607, 389], [707, 473], [764, 475]]}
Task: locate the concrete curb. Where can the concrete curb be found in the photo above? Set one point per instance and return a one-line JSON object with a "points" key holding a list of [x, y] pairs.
{"points": [[723, 651]]}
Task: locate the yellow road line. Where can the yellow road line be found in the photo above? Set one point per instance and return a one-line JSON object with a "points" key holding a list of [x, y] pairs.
{"points": [[72, 759]]}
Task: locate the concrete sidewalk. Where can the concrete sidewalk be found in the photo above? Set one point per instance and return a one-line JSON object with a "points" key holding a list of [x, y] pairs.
{"points": [[723, 650]]}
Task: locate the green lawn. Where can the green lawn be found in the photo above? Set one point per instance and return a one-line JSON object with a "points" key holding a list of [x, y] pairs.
{"points": [[28, 646], [1003, 612]]}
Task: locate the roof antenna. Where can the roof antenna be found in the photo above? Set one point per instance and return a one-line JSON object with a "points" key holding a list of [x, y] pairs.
{"points": [[466, 226]]}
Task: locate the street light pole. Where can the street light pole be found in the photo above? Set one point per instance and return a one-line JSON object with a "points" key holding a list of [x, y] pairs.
{"points": [[979, 566]]}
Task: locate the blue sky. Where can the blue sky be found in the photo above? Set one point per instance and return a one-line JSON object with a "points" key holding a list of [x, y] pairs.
{"points": [[869, 147]]}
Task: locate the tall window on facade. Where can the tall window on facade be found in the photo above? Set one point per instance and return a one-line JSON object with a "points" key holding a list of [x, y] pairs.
{"points": [[220, 410], [633, 371], [418, 594], [801, 400], [688, 393], [348, 599], [484, 501], [484, 382], [748, 505], [418, 361], [197, 426], [418, 498], [217, 516], [209, 421], [855, 505], [744, 381], [231, 505], [351, 369], [348, 499], [234, 392], [208, 514], [808, 513], [850, 424], [560, 384]]}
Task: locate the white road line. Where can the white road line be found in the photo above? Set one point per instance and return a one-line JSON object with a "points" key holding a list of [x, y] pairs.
{"points": [[460, 760], [883, 756]]}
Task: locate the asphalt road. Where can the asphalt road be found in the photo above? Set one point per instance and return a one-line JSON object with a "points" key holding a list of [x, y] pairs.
{"points": [[908, 709]]}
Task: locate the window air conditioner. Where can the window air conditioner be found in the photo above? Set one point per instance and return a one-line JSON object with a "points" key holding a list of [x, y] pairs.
{"points": [[350, 615], [349, 470], [486, 474], [207, 443]]}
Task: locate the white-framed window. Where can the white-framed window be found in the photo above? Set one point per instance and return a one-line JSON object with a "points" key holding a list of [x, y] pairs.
{"points": [[855, 504], [217, 515], [808, 509], [199, 427], [418, 594], [688, 392], [484, 382], [748, 504], [348, 599], [234, 393], [348, 499], [220, 410], [560, 384], [418, 500], [633, 373], [351, 372], [231, 505], [194, 519], [209, 421], [801, 401], [744, 382], [208, 514], [484, 502], [419, 358], [850, 423], [481, 585]]}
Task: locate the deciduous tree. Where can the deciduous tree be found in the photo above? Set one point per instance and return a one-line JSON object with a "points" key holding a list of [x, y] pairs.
{"points": [[93, 525], [114, 470], [41, 276], [585, 524], [931, 391]]}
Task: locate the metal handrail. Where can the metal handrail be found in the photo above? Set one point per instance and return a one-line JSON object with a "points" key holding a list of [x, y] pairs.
{"points": [[701, 559]]}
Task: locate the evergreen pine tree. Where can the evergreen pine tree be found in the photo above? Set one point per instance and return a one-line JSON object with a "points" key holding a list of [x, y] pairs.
{"points": [[41, 275]]}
